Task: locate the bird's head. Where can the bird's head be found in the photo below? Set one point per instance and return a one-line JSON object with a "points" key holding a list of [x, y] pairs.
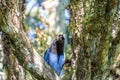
{"points": [[57, 45], [60, 43], [60, 40]]}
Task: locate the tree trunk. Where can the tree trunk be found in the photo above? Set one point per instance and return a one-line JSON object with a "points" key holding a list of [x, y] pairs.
{"points": [[13, 69], [11, 13], [114, 73], [2, 71], [91, 30]]}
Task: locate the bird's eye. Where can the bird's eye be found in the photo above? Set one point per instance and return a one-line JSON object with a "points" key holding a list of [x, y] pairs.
{"points": [[62, 38]]}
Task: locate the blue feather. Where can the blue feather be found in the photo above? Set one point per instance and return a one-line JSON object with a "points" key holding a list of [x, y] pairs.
{"points": [[55, 56], [54, 62]]}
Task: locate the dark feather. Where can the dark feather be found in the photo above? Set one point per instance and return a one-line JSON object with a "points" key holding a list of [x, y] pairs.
{"points": [[54, 55]]}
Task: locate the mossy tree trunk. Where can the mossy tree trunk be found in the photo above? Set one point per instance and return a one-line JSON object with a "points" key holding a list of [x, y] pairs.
{"points": [[2, 71], [13, 70], [93, 42], [11, 17]]}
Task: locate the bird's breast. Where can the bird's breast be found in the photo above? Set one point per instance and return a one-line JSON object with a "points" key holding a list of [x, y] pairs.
{"points": [[53, 59]]}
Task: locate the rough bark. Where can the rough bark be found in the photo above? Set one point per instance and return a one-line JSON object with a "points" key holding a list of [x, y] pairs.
{"points": [[80, 58], [2, 71], [12, 27], [114, 51], [114, 73], [13, 70], [91, 30]]}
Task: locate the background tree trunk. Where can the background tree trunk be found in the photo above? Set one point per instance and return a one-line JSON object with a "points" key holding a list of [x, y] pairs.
{"points": [[92, 39], [13, 70], [2, 71], [11, 13]]}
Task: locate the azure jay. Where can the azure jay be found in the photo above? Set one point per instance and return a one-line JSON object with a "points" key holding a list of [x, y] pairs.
{"points": [[55, 56]]}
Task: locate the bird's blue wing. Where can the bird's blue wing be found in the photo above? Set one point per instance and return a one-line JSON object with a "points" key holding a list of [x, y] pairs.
{"points": [[60, 64], [51, 59], [61, 60], [46, 56]]}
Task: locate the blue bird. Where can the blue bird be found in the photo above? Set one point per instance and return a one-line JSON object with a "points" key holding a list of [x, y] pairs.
{"points": [[55, 56]]}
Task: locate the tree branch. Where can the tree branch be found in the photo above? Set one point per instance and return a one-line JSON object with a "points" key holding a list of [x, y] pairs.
{"points": [[29, 59]]}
